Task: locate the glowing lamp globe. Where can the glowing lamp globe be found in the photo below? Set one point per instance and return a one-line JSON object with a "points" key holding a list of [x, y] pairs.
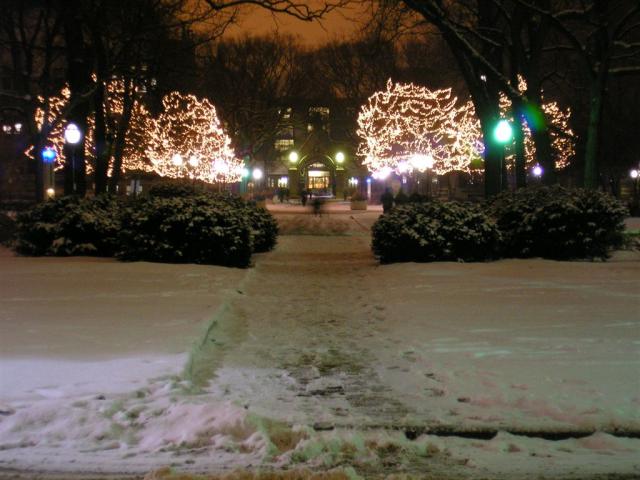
{"points": [[72, 134], [634, 174], [246, 172], [537, 171], [503, 132], [257, 174], [293, 157], [48, 155], [340, 157]]}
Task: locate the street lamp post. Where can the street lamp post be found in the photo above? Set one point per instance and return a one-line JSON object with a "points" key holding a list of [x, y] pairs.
{"points": [[72, 136], [502, 134], [49, 155]]}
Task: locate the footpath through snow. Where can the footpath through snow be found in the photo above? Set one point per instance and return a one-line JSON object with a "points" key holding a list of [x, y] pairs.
{"points": [[319, 356]]}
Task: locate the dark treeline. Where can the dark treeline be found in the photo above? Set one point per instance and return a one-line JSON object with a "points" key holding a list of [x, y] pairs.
{"points": [[584, 55]]}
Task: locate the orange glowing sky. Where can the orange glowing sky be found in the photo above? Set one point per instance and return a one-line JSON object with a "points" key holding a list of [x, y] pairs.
{"points": [[337, 24]]}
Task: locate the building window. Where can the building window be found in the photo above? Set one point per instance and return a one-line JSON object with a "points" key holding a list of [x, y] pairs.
{"points": [[283, 144]]}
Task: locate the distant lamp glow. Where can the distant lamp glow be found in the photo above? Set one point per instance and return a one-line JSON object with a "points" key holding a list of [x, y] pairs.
{"points": [[176, 159], [283, 182], [537, 171], [50, 192], [382, 174], [634, 174], [293, 157], [193, 161], [353, 182], [421, 162], [48, 154], [340, 157], [72, 134], [257, 174], [246, 172], [18, 127], [503, 132], [403, 167]]}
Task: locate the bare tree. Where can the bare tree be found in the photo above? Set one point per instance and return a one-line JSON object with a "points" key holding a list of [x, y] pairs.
{"points": [[248, 79], [31, 53], [605, 34]]}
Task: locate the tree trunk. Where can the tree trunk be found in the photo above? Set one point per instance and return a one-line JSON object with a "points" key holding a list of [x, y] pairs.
{"points": [[544, 155], [518, 137], [100, 140], [121, 135], [596, 94], [102, 148], [37, 150], [493, 160], [80, 85]]}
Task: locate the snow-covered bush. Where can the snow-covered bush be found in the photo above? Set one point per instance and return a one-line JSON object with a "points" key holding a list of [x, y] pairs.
{"points": [[401, 198], [7, 228], [264, 227], [416, 197], [69, 226], [435, 231], [190, 229], [558, 223], [172, 188]]}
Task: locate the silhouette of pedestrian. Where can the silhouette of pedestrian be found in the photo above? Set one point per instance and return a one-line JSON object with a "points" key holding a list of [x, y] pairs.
{"points": [[303, 197], [317, 206], [387, 200]]}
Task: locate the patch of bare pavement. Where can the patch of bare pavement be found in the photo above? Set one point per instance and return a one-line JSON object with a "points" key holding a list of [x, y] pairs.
{"points": [[515, 369]]}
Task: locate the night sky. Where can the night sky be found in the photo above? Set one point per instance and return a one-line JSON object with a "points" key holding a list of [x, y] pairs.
{"points": [[338, 24]]}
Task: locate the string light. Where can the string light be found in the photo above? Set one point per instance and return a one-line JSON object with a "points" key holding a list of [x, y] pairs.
{"points": [[403, 126], [408, 122], [189, 128], [133, 155], [562, 137]]}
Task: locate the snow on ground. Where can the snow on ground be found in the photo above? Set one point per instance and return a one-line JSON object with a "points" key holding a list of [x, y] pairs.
{"points": [[126, 367]]}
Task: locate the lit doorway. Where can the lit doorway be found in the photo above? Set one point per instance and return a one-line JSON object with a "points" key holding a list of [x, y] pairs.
{"points": [[319, 180]]}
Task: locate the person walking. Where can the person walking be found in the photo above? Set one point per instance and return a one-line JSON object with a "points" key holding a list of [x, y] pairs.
{"points": [[387, 200]]}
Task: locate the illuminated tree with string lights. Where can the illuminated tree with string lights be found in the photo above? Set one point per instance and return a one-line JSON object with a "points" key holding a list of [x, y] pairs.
{"points": [[562, 137], [134, 152], [409, 127], [187, 141]]}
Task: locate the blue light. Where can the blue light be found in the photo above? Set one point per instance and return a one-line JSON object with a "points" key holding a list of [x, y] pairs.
{"points": [[48, 155]]}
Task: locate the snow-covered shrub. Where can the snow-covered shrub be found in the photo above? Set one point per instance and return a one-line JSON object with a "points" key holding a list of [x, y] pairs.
{"points": [[416, 197], [264, 226], [190, 229], [7, 228], [401, 198], [558, 223], [435, 231], [172, 188], [69, 226]]}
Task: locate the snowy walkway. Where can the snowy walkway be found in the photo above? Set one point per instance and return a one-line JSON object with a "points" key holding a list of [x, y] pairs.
{"points": [[319, 336]]}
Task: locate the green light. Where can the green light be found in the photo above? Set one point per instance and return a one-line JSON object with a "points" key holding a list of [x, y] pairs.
{"points": [[503, 132]]}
